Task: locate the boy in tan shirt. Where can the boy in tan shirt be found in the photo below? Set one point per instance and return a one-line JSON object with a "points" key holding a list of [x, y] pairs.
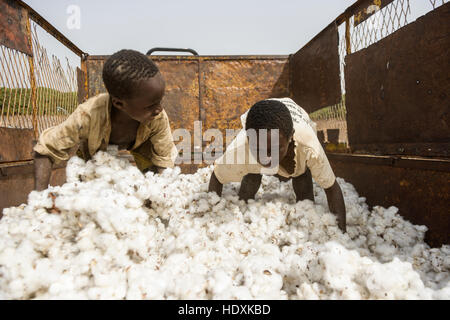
{"points": [[300, 156], [129, 115]]}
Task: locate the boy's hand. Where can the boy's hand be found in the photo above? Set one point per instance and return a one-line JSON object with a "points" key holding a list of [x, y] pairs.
{"points": [[159, 170], [249, 186], [42, 171], [303, 186], [155, 169], [215, 185]]}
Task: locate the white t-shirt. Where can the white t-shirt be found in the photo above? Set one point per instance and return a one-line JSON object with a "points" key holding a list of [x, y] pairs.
{"points": [[238, 161]]}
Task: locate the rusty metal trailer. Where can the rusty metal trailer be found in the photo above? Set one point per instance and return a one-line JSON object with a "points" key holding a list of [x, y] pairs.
{"points": [[380, 96]]}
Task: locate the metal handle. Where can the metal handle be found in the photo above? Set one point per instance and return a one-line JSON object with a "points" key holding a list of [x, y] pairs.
{"points": [[149, 52]]}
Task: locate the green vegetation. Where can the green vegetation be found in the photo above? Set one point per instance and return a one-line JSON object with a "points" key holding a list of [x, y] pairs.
{"points": [[337, 111], [49, 101]]}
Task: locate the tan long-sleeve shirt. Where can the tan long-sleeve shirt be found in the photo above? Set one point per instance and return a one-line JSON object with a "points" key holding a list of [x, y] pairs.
{"points": [[89, 126]]}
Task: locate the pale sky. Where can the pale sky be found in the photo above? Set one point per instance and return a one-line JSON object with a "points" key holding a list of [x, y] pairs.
{"points": [[210, 27], [232, 27]]}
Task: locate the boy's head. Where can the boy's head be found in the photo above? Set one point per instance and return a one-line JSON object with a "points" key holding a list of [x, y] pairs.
{"points": [[135, 84], [269, 115]]}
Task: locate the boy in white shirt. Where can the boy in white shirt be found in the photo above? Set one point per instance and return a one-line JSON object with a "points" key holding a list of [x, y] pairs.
{"points": [[298, 155]]}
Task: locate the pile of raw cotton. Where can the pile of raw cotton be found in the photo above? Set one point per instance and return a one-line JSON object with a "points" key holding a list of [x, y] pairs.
{"points": [[111, 232]]}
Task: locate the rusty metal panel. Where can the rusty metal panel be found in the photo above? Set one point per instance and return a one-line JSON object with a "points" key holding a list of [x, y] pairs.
{"points": [[94, 65], [421, 193], [315, 75], [398, 90], [81, 80], [18, 181], [181, 100], [15, 144], [367, 8], [230, 87], [13, 26]]}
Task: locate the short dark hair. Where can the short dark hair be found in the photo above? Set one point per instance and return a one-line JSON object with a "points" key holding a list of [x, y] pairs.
{"points": [[124, 69], [270, 114]]}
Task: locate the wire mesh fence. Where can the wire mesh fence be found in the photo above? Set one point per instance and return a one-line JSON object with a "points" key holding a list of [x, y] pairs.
{"points": [[355, 36], [56, 85], [15, 89], [40, 91]]}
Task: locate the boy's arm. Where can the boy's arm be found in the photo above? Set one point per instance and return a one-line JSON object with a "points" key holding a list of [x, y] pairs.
{"points": [[323, 175], [163, 148], [303, 186], [159, 151], [228, 168], [249, 186], [215, 185], [42, 171], [336, 204], [55, 143]]}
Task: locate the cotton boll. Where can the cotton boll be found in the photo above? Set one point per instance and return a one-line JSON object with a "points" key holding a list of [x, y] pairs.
{"points": [[306, 292], [111, 232]]}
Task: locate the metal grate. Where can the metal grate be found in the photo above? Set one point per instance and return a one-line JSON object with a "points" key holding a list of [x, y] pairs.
{"points": [[379, 25], [351, 39], [15, 89], [40, 91], [437, 3], [56, 85]]}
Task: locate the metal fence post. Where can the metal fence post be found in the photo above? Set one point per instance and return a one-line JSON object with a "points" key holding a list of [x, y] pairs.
{"points": [[347, 36], [32, 82]]}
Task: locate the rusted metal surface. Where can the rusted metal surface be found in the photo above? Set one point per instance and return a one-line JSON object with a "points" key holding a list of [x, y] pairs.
{"points": [[81, 80], [32, 83], [442, 165], [348, 39], [231, 87], [315, 75], [421, 193], [94, 67], [15, 163], [426, 149], [15, 144], [18, 181], [367, 8], [85, 71], [13, 28], [349, 12], [398, 90], [181, 100]]}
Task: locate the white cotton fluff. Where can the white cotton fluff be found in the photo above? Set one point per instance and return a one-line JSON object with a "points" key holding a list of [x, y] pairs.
{"points": [[111, 232]]}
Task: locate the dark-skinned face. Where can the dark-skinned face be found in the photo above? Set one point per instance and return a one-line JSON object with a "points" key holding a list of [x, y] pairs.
{"points": [[145, 104], [281, 144]]}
